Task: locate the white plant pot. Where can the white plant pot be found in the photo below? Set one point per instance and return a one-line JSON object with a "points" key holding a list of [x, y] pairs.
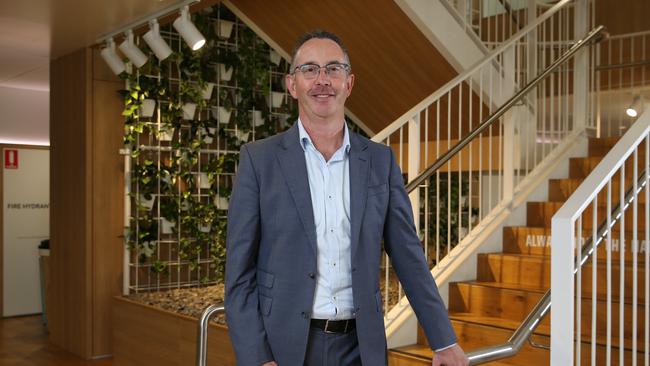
{"points": [[166, 134], [242, 136], [225, 73], [205, 228], [188, 111], [147, 203], [147, 108], [277, 99], [205, 134], [207, 91], [256, 118], [167, 226], [221, 114], [275, 57], [221, 203], [204, 181], [284, 119], [225, 29]]}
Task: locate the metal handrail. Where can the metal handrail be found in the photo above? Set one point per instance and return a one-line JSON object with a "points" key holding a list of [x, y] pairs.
{"points": [[429, 171], [528, 326], [202, 336]]}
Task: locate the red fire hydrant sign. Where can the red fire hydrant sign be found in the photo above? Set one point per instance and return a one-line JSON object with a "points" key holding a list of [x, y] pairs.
{"points": [[11, 159]]}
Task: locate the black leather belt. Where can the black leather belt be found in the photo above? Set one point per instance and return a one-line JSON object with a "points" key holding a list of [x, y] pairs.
{"points": [[334, 326]]}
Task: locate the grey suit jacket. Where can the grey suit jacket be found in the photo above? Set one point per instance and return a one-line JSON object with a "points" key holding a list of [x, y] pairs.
{"points": [[271, 252]]}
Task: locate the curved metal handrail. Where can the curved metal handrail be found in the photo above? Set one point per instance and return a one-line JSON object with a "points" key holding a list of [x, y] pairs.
{"points": [[202, 336], [428, 172]]}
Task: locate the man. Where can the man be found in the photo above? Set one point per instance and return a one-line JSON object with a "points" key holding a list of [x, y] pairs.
{"points": [[307, 216]]}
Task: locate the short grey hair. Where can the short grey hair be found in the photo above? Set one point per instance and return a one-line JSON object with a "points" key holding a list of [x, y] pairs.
{"points": [[317, 34]]}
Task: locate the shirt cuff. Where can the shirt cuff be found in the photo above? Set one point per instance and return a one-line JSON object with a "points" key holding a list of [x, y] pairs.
{"points": [[444, 348]]}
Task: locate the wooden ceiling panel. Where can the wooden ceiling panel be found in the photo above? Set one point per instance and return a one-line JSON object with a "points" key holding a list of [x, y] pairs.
{"points": [[395, 65]]}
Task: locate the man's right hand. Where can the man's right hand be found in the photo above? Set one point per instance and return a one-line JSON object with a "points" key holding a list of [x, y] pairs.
{"points": [[272, 363]]}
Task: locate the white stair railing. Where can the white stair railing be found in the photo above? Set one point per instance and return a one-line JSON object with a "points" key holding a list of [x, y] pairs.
{"points": [[600, 297], [623, 78], [495, 21], [488, 172]]}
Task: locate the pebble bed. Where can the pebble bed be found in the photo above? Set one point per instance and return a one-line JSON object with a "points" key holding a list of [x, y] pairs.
{"points": [[187, 301]]}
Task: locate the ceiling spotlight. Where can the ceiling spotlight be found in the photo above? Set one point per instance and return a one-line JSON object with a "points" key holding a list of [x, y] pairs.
{"points": [[112, 59], [156, 42], [132, 51], [183, 24], [634, 108]]}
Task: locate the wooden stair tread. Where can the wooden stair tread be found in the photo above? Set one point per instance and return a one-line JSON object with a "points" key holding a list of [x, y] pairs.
{"points": [[547, 259]]}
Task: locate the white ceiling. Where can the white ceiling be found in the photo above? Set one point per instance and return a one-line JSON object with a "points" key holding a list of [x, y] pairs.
{"points": [[34, 31]]}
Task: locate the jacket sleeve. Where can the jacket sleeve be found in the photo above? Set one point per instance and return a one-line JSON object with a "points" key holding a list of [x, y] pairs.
{"points": [[245, 324], [407, 257]]}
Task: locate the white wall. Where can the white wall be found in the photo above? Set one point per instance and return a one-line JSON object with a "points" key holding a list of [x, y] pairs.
{"points": [[26, 221], [24, 116]]}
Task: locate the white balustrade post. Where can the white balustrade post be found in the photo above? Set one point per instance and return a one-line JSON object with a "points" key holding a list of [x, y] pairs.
{"points": [[509, 154], [562, 291], [581, 66], [126, 279], [414, 166]]}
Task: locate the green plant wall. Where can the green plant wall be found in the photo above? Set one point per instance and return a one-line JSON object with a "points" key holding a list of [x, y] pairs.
{"points": [[181, 165]]}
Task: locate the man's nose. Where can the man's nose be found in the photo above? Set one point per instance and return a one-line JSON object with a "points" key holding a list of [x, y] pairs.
{"points": [[323, 77]]}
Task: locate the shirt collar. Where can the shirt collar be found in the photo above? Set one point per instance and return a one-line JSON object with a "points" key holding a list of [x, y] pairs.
{"points": [[305, 139]]}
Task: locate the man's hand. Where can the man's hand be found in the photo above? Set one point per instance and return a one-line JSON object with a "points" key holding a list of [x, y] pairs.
{"points": [[272, 363], [453, 356]]}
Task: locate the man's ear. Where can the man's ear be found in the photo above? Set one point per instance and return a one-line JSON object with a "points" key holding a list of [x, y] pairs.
{"points": [[290, 83], [349, 83]]}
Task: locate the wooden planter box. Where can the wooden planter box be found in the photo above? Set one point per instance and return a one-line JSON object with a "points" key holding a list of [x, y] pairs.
{"points": [[144, 335]]}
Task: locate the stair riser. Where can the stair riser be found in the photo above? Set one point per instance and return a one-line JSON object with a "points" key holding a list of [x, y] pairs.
{"points": [[537, 241], [539, 214], [559, 190], [536, 272], [515, 305], [601, 146], [581, 167]]}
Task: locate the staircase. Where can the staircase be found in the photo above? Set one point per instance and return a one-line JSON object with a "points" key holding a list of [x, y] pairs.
{"points": [[486, 311]]}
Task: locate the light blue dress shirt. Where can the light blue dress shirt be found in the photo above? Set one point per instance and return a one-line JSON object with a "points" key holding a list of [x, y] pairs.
{"points": [[329, 185]]}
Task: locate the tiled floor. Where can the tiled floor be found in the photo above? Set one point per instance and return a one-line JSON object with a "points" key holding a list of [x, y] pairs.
{"points": [[24, 342]]}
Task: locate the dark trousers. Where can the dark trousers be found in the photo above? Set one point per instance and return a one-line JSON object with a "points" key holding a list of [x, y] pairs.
{"points": [[332, 349]]}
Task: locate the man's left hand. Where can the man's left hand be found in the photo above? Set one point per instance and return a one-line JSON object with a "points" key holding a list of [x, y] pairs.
{"points": [[452, 356]]}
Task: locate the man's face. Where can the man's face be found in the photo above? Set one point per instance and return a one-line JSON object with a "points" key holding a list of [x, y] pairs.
{"points": [[322, 97]]}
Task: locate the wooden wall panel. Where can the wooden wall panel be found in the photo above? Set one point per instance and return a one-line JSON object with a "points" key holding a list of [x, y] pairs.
{"points": [[395, 65], [87, 202], [623, 16], [71, 306], [107, 201]]}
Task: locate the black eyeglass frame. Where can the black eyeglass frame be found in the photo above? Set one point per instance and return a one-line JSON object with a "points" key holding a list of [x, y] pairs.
{"points": [[346, 67]]}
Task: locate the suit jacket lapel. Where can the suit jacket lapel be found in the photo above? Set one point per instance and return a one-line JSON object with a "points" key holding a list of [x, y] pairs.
{"points": [[291, 158], [359, 162]]}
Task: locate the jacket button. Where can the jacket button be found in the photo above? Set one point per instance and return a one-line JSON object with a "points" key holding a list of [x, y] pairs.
{"points": [[354, 269], [311, 275], [305, 314]]}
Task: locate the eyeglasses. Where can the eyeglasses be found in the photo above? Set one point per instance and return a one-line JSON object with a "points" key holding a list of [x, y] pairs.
{"points": [[334, 70]]}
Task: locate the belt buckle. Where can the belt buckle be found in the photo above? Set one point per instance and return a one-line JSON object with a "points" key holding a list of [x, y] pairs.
{"points": [[327, 322]]}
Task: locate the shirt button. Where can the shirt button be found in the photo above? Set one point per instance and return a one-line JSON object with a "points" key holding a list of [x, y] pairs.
{"points": [[334, 264]]}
